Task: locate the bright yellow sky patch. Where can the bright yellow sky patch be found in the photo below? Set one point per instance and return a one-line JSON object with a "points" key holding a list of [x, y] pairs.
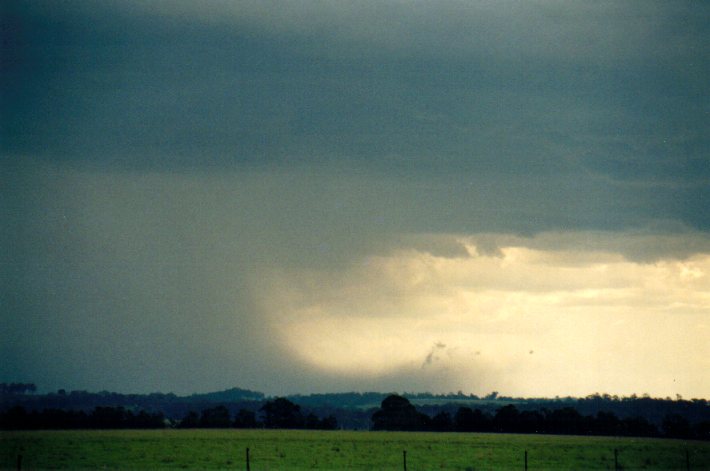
{"points": [[528, 322]]}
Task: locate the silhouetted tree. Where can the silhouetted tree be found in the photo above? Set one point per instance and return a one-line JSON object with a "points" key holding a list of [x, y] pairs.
{"points": [[701, 430], [146, 420], [191, 420], [676, 426], [606, 423], [109, 417], [397, 413], [530, 422], [62, 419], [245, 419], [441, 422], [506, 419], [312, 422], [467, 420], [15, 418], [638, 427], [215, 417], [282, 413], [329, 423], [565, 421]]}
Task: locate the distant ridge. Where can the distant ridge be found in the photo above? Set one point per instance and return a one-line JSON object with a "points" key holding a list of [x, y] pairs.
{"points": [[228, 395], [353, 410]]}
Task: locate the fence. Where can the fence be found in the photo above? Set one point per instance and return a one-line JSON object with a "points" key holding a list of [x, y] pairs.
{"points": [[524, 461]]}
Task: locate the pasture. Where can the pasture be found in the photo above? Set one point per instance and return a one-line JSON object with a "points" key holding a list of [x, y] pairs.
{"points": [[338, 450]]}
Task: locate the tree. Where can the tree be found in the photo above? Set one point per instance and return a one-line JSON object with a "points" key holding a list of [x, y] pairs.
{"points": [[282, 413], [329, 423], [566, 421], [701, 430], [17, 388], [147, 420], [638, 427], [467, 420], [607, 424], [507, 419], [441, 422], [245, 419], [397, 413], [15, 418], [312, 422], [676, 426], [215, 417], [530, 422], [191, 420], [109, 417]]}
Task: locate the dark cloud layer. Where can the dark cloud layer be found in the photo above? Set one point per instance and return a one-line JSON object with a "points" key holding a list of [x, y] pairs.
{"points": [[449, 87], [610, 97], [155, 155]]}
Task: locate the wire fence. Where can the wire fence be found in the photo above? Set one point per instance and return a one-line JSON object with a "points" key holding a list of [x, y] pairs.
{"points": [[525, 463]]}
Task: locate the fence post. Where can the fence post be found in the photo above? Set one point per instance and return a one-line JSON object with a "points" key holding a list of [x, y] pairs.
{"points": [[616, 459], [526, 460], [687, 460], [404, 459], [248, 467], [19, 462]]}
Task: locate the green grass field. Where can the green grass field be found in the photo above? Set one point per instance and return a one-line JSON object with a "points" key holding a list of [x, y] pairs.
{"points": [[290, 450]]}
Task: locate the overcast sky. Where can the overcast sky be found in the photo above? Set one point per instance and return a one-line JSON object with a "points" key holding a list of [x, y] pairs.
{"points": [[313, 196]]}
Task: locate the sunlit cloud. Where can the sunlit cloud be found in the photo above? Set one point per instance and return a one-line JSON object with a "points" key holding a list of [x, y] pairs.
{"points": [[530, 321]]}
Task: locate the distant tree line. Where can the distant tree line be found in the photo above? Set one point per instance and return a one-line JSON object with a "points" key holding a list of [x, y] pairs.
{"points": [[354, 410], [17, 388], [277, 413], [17, 418], [173, 406], [397, 413]]}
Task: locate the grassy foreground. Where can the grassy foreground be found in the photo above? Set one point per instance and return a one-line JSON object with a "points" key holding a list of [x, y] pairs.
{"points": [[291, 450]]}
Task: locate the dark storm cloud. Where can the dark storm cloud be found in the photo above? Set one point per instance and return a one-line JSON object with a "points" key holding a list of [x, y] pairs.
{"points": [[157, 155], [494, 88], [611, 97]]}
